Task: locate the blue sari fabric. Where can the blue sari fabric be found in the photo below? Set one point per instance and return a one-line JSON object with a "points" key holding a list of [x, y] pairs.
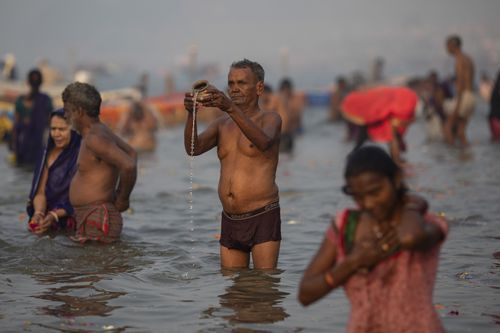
{"points": [[59, 178], [31, 129]]}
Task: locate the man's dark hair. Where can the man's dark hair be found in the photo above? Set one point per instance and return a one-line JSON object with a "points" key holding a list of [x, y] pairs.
{"points": [[85, 96], [286, 83], [341, 80], [255, 67], [268, 88], [455, 40], [35, 78]]}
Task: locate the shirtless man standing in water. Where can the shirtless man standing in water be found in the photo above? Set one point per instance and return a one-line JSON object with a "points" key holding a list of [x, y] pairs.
{"points": [[140, 128], [247, 141], [461, 107], [106, 169]]}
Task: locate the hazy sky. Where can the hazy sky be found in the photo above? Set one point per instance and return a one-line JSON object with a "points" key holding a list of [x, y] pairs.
{"points": [[323, 38]]}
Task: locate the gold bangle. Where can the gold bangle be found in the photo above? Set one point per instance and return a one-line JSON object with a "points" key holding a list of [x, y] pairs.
{"points": [[53, 213], [328, 276], [39, 213]]}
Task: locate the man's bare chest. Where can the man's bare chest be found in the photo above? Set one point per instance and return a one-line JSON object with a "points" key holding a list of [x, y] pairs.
{"points": [[232, 141], [87, 161]]}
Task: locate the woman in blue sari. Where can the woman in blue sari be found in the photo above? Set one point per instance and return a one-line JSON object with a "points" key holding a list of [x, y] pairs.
{"points": [[48, 206], [30, 122]]}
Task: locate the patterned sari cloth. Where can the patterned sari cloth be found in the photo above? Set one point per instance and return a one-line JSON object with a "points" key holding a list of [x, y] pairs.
{"points": [[396, 295]]}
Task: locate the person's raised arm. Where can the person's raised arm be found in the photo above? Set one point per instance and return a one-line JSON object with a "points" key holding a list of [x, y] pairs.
{"points": [[415, 233], [203, 141], [120, 155], [264, 136]]}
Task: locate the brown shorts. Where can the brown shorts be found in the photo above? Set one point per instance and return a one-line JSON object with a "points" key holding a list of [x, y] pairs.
{"points": [[99, 222], [243, 231]]}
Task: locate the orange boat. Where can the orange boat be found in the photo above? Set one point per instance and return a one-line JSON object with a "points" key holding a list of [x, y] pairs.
{"points": [[170, 109]]}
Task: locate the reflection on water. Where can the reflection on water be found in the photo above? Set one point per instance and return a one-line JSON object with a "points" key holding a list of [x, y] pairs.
{"points": [[78, 295], [252, 297], [71, 327], [74, 283]]}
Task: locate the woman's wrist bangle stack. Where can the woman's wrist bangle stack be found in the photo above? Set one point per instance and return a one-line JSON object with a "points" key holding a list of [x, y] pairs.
{"points": [[54, 214], [42, 214], [328, 276]]}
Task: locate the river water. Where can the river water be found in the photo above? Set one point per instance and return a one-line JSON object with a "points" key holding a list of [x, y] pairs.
{"points": [[164, 276]]}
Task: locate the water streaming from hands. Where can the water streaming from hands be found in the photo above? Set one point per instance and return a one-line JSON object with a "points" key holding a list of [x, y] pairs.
{"points": [[197, 88], [191, 164]]}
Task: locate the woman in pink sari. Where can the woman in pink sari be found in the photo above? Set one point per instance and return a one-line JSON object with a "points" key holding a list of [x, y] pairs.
{"points": [[384, 253]]}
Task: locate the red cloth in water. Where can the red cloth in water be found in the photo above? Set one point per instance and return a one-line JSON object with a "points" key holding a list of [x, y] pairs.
{"points": [[495, 129], [378, 108]]}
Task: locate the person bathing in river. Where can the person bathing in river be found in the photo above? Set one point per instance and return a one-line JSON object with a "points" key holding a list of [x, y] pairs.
{"points": [[31, 122], [106, 170], [48, 207], [139, 128], [247, 141], [384, 253], [461, 107]]}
